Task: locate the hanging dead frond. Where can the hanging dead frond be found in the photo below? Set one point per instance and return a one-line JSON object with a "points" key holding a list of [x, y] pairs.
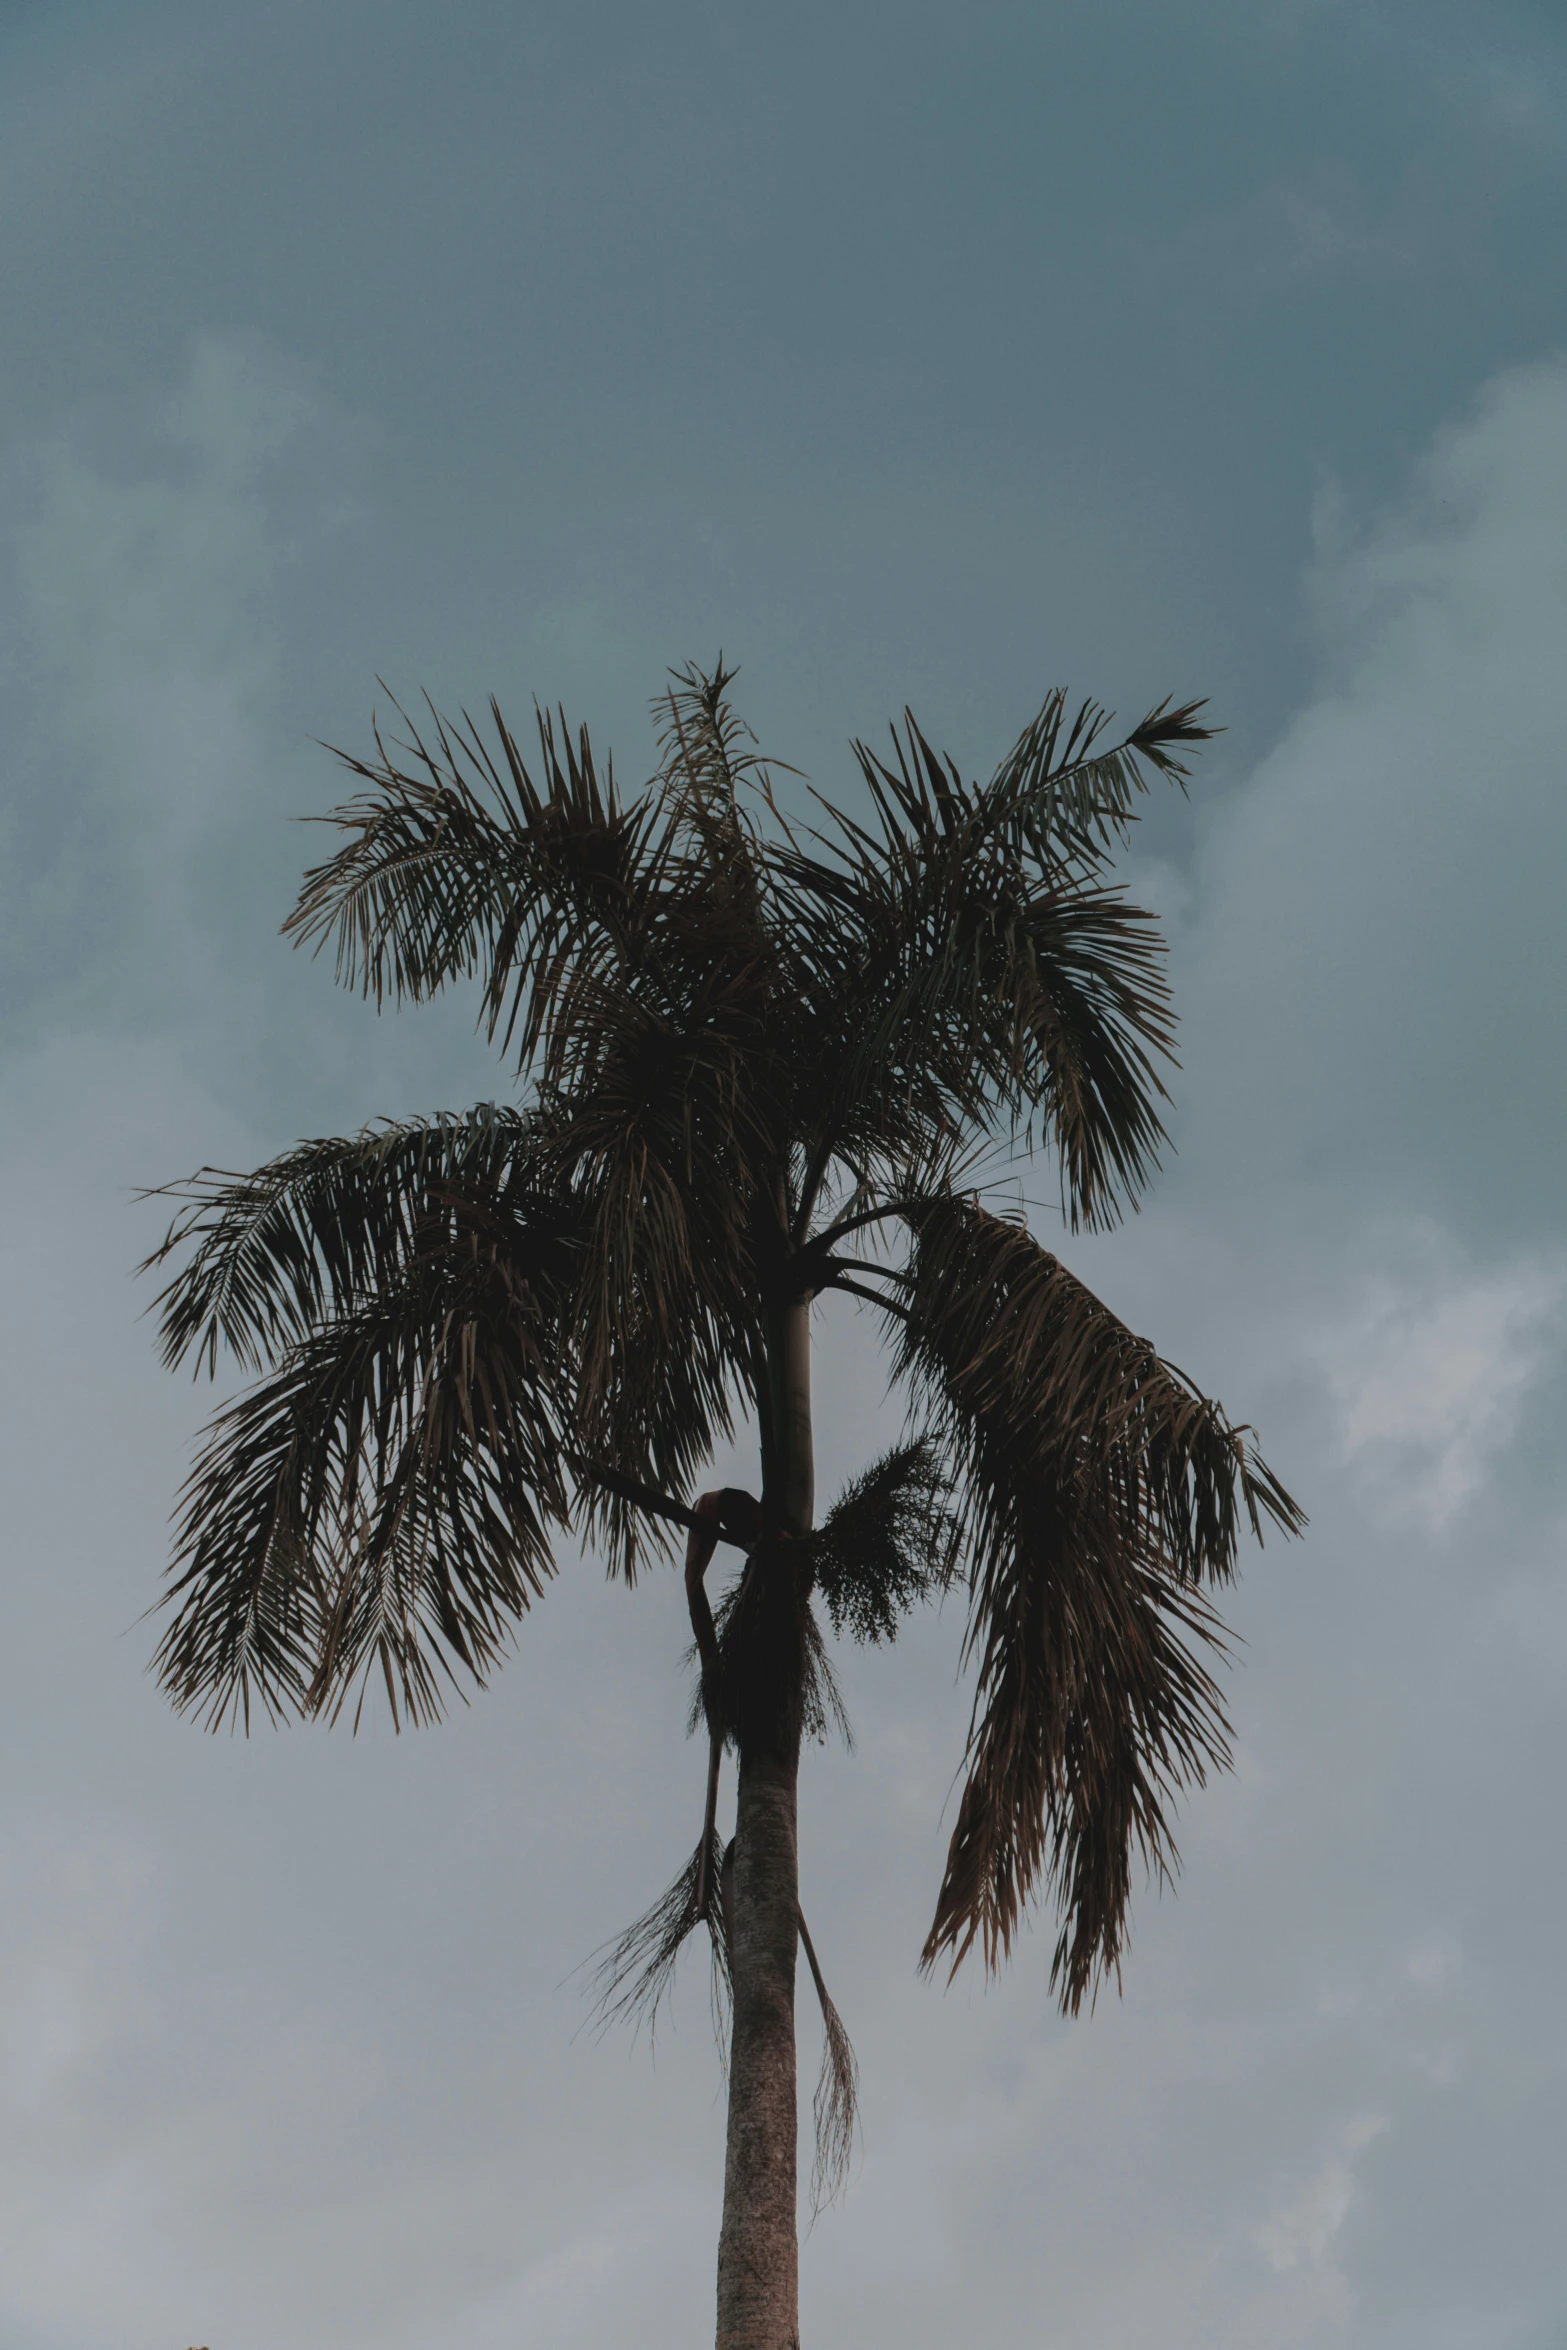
{"points": [[638, 1971], [770, 1652], [836, 2103]]}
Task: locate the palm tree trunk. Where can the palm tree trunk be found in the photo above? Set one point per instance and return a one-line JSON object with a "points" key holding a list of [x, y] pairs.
{"points": [[758, 2247], [789, 1382]]}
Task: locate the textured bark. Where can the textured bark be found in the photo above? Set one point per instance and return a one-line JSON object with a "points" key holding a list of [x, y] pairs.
{"points": [[758, 2248]]}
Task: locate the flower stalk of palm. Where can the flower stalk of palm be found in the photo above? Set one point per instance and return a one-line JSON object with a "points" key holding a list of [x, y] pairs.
{"points": [[757, 1060]]}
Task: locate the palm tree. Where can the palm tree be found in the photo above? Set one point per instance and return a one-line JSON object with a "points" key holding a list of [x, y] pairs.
{"points": [[757, 1059]]}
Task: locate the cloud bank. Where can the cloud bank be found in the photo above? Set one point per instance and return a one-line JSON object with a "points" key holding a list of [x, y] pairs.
{"points": [[289, 2047]]}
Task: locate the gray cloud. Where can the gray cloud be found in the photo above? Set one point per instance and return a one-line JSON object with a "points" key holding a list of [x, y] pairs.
{"points": [[148, 549], [290, 2050], [1389, 883], [287, 2051]]}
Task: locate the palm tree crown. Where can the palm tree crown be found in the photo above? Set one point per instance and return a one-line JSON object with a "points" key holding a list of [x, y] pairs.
{"points": [[758, 1057]]}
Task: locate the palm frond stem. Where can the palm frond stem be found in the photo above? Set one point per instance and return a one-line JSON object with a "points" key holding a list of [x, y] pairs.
{"points": [[842, 1225], [869, 1265], [646, 1497], [888, 1305]]}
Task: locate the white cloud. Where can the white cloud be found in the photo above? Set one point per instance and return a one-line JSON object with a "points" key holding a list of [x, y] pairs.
{"points": [[1433, 1965], [1429, 1370], [1303, 2230], [1375, 981]]}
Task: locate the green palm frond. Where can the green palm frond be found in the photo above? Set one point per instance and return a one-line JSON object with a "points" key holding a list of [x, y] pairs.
{"points": [[265, 1257], [710, 758], [960, 966], [985, 1006], [1099, 1491], [460, 864], [1060, 796], [665, 1143]]}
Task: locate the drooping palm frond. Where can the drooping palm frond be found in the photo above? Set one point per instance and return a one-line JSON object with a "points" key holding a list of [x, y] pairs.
{"points": [[637, 1972], [836, 2103], [267, 1257], [1093, 1710], [1099, 1491], [888, 1542], [384, 1499], [999, 1327], [770, 1649]]}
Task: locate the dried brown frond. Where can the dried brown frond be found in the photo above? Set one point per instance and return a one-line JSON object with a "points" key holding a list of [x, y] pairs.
{"points": [[836, 2103], [1100, 1489], [638, 1971], [771, 1653]]}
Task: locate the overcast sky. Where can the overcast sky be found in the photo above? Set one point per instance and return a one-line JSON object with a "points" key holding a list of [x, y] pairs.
{"points": [[933, 351]]}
